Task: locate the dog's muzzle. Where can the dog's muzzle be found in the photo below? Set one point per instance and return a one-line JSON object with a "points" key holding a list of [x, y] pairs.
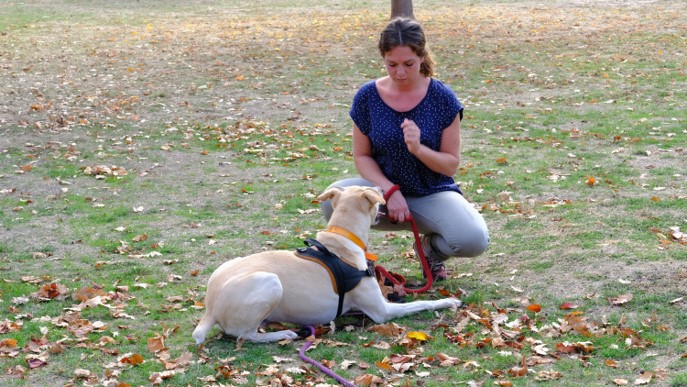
{"points": [[379, 216]]}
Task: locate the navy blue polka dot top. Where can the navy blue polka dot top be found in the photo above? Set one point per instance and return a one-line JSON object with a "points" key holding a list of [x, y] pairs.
{"points": [[382, 125]]}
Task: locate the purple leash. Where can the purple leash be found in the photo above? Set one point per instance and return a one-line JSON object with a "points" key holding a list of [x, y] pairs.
{"points": [[322, 368]]}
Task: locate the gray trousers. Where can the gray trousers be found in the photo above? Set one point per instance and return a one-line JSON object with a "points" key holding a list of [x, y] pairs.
{"points": [[454, 227]]}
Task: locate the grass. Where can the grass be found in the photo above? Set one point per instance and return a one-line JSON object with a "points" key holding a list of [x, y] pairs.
{"points": [[230, 119]]}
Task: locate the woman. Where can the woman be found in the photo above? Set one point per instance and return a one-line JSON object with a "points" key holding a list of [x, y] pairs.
{"points": [[406, 140]]}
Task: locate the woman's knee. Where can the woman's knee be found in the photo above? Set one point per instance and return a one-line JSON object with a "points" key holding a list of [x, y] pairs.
{"points": [[468, 243]]}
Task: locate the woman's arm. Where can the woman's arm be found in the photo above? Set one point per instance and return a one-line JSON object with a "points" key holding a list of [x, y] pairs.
{"points": [[396, 206], [367, 166]]}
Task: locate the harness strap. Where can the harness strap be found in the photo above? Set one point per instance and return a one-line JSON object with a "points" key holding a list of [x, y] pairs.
{"points": [[344, 276]]}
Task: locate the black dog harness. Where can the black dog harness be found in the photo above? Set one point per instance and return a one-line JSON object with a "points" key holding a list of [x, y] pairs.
{"points": [[344, 276]]}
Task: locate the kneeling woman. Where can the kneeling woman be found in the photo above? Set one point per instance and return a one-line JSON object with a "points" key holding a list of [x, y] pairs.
{"points": [[406, 140]]}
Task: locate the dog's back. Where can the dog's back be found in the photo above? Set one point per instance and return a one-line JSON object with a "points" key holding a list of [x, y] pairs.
{"points": [[279, 279]]}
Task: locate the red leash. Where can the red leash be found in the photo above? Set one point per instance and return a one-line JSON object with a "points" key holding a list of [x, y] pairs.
{"points": [[398, 279]]}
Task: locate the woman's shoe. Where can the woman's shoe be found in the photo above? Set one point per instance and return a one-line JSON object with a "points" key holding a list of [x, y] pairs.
{"points": [[436, 266]]}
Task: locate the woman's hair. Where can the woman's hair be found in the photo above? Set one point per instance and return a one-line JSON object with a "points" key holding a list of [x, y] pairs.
{"points": [[407, 32]]}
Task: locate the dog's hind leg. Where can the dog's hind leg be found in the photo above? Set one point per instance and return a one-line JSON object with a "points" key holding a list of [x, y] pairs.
{"points": [[246, 302], [203, 327]]}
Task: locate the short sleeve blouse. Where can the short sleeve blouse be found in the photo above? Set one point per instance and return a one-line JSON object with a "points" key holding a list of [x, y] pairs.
{"points": [[382, 125]]}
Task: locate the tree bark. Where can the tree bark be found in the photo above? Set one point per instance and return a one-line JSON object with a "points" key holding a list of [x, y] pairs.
{"points": [[403, 8]]}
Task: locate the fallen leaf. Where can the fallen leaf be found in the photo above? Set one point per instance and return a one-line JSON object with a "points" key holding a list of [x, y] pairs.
{"points": [[134, 359], [548, 375], [181, 362], [383, 364], [36, 362], [390, 329], [368, 380], [156, 344], [346, 364], [140, 238], [52, 291], [644, 378], [17, 371], [8, 343], [578, 324], [621, 299], [415, 335], [536, 308], [158, 377]]}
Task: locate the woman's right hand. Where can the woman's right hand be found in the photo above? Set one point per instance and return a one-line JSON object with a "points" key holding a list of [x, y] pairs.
{"points": [[397, 208]]}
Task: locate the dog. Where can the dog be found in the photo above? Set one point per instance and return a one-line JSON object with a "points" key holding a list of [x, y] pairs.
{"points": [[245, 293]]}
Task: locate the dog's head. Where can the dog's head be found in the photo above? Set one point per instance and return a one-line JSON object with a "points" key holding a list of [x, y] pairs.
{"points": [[363, 198]]}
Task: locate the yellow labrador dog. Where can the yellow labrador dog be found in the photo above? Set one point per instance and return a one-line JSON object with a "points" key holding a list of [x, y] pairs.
{"points": [[281, 286]]}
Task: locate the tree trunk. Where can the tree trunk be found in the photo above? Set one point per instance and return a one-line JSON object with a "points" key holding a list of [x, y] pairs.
{"points": [[402, 8]]}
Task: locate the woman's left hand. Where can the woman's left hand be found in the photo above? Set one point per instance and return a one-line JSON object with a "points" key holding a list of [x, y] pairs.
{"points": [[411, 135]]}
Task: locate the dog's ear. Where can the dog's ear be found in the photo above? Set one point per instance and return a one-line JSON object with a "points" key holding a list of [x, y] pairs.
{"points": [[332, 194], [374, 195]]}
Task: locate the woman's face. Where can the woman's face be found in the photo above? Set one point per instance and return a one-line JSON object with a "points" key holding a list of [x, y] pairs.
{"points": [[402, 64]]}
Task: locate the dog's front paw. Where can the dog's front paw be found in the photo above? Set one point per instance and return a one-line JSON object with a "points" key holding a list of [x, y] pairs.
{"points": [[290, 335], [455, 303]]}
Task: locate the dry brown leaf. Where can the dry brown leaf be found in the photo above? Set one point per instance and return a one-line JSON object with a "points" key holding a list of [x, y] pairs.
{"points": [[52, 291], [86, 293], [8, 343], [156, 344], [179, 363], [36, 362], [8, 326], [383, 364], [447, 361], [157, 378], [390, 329], [85, 374], [621, 299], [368, 380], [644, 378], [346, 364], [578, 323], [548, 375], [17, 371], [134, 359], [140, 238], [519, 371], [536, 308]]}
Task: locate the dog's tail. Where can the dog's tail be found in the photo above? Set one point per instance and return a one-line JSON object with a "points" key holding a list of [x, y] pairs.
{"points": [[203, 327]]}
